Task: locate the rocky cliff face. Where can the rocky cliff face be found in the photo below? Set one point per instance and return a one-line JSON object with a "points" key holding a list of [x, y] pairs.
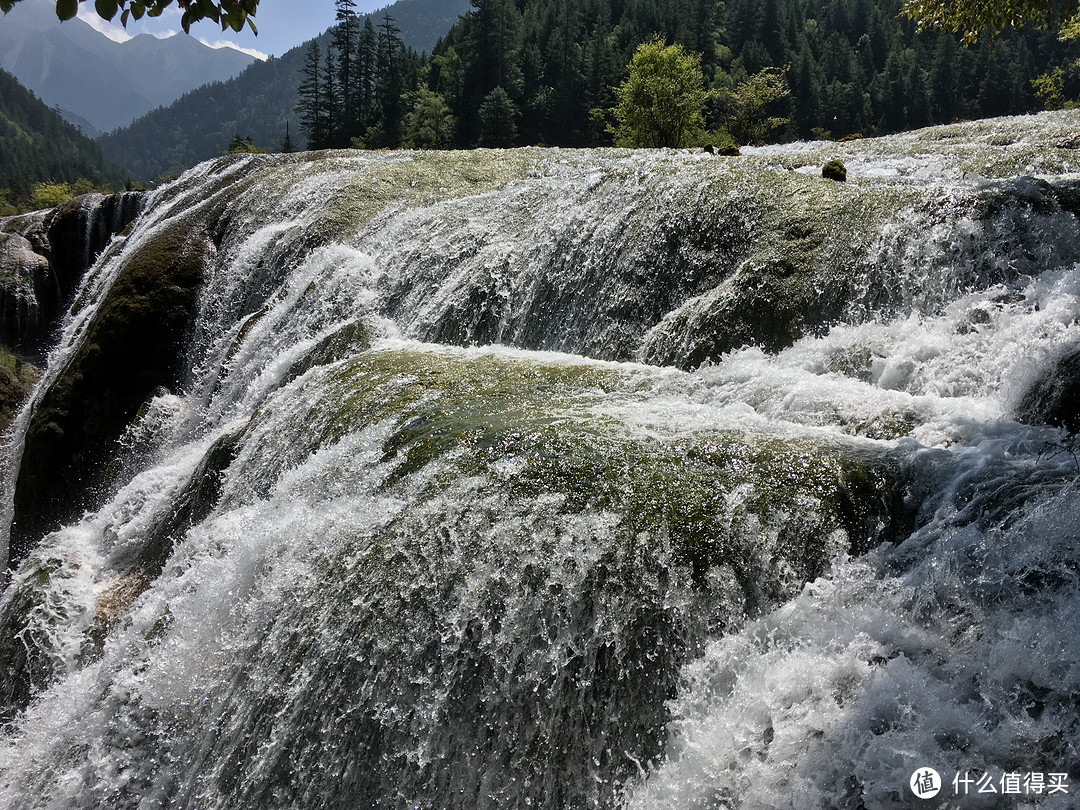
{"points": [[43, 256]]}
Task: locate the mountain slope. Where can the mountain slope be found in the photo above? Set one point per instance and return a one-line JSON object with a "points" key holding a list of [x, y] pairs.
{"points": [[37, 145], [257, 103], [106, 83]]}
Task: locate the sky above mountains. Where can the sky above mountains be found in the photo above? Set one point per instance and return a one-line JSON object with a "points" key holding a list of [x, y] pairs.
{"points": [[282, 24]]}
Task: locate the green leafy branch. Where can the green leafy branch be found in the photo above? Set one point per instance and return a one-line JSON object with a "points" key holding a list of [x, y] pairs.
{"points": [[234, 14]]}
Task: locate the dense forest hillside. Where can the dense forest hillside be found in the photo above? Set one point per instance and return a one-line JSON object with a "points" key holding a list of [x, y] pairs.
{"points": [[513, 72], [851, 65], [255, 104], [38, 146]]}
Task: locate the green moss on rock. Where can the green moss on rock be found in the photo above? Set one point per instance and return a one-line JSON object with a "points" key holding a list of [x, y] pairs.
{"points": [[17, 379], [130, 349], [834, 170], [772, 511]]}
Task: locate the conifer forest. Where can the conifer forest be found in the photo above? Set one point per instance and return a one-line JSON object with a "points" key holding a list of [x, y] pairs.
{"points": [[549, 72]]}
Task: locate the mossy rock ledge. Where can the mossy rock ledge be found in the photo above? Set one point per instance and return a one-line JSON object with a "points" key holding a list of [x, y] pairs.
{"points": [[43, 257], [769, 511], [131, 348]]}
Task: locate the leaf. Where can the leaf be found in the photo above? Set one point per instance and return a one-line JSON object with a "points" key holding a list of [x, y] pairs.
{"points": [[105, 8], [251, 25], [5, 5], [125, 15], [66, 9], [137, 10]]}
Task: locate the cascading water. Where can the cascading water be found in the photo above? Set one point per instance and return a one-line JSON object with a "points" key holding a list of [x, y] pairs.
{"points": [[560, 479]]}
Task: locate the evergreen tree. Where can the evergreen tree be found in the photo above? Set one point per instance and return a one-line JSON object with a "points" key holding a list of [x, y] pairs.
{"points": [[498, 119], [331, 98], [345, 39], [288, 145], [366, 50], [492, 48], [389, 84], [429, 124], [311, 105]]}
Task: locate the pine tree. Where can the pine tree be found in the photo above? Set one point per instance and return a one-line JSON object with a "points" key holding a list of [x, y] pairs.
{"points": [[366, 50], [331, 98], [311, 104], [498, 119], [288, 145], [429, 124], [345, 41], [389, 82]]}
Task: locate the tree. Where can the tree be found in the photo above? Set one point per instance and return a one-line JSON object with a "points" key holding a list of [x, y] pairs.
{"points": [[288, 145], [662, 101], [746, 119], [331, 99], [345, 36], [50, 195], [973, 19], [498, 119], [312, 94], [234, 14], [429, 124], [243, 145], [389, 84]]}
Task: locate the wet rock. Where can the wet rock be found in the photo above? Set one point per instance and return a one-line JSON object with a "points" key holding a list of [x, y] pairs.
{"points": [[1008, 299], [834, 170], [1054, 398], [16, 381], [43, 257], [854, 361], [975, 318], [131, 347], [888, 425], [768, 304]]}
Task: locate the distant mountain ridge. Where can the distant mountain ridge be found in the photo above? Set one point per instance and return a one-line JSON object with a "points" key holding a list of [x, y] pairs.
{"points": [[37, 145], [96, 81], [257, 103]]}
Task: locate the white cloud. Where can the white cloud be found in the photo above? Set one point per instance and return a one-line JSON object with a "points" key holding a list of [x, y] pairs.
{"points": [[112, 31], [224, 43]]}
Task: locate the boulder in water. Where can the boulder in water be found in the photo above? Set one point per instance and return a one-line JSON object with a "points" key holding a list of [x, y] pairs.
{"points": [[834, 170], [1054, 399]]}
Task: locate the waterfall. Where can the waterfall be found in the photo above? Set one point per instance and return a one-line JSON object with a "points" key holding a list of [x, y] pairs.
{"points": [[43, 256], [560, 478]]}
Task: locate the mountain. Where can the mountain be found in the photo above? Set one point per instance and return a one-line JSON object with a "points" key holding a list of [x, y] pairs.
{"points": [[422, 22], [257, 103], [107, 84], [37, 145]]}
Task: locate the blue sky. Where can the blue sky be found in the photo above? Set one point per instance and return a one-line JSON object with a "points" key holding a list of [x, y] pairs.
{"points": [[283, 24]]}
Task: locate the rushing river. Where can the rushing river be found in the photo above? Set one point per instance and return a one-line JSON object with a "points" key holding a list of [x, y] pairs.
{"points": [[562, 479]]}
